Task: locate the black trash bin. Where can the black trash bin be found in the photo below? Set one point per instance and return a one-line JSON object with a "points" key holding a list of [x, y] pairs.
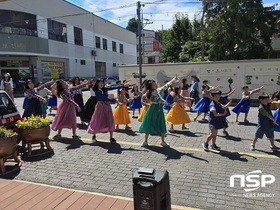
{"points": [[151, 189]]}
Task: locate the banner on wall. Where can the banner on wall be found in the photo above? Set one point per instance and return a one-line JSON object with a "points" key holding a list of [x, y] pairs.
{"points": [[52, 70]]}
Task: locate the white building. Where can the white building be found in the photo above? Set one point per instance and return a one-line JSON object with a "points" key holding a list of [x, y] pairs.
{"points": [[150, 47], [47, 39]]}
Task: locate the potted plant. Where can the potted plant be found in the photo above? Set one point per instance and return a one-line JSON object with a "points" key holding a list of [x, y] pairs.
{"points": [[8, 147], [136, 75], [33, 130]]}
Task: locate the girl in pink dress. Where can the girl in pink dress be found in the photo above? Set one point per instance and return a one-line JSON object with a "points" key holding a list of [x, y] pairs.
{"points": [[66, 111], [102, 119]]}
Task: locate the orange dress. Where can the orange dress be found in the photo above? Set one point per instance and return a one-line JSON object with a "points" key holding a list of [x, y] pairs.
{"points": [[177, 114], [121, 116], [144, 107]]}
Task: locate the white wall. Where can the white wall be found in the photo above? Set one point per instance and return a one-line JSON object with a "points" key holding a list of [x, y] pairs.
{"points": [[252, 73]]}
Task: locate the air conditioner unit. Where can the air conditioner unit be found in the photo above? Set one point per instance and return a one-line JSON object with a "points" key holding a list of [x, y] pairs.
{"points": [[93, 53]]}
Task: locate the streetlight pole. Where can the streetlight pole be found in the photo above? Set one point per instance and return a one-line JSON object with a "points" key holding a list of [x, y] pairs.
{"points": [[139, 23]]}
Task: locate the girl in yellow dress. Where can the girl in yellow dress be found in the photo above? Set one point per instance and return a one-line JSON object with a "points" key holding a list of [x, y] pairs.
{"points": [[121, 116], [177, 114]]}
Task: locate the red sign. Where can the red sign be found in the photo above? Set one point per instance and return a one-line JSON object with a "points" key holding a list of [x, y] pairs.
{"points": [[156, 45]]}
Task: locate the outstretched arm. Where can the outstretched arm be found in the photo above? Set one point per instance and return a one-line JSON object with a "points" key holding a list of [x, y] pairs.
{"points": [[168, 84], [231, 92], [44, 85], [256, 90], [113, 87]]}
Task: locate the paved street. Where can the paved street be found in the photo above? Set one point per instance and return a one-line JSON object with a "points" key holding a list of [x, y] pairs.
{"points": [[198, 179]]}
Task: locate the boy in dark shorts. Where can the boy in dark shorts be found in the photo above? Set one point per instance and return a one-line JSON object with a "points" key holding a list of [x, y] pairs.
{"points": [[217, 120], [266, 123]]}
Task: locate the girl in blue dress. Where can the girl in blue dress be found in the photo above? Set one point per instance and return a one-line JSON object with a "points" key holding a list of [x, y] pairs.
{"points": [[154, 121], [136, 101], [202, 106], [194, 89], [243, 105], [169, 99]]}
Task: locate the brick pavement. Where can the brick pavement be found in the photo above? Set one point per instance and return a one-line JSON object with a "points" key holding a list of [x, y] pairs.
{"points": [[198, 179]]}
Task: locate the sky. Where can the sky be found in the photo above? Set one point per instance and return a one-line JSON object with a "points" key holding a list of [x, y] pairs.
{"points": [[159, 13]]}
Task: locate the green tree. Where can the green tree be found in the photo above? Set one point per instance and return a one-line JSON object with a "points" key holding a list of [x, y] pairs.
{"points": [[132, 25], [175, 38], [238, 29]]}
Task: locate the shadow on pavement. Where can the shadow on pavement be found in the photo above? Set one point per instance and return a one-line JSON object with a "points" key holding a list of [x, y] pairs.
{"points": [[232, 138], [173, 154], [275, 153], [128, 132], [113, 148], [247, 124], [72, 143], [233, 155], [38, 155], [185, 133]]}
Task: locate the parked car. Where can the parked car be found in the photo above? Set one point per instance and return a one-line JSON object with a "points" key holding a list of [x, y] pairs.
{"points": [[9, 114]]}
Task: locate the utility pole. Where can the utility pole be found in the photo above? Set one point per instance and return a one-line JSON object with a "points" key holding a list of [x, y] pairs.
{"points": [[139, 23]]}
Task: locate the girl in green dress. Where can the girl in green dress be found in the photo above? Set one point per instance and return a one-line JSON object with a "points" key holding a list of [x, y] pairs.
{"points": [[154, 121]]}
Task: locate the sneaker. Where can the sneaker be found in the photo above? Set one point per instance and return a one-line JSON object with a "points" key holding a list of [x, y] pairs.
{"points": [[205, 146], [253, 148], [226, 133], [215, 147], [274, 148], [144, 144], [164, 144], [112, 140]]}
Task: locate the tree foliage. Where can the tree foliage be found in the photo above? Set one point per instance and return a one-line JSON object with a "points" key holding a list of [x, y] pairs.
{"points": [[239, 29], [132, 25]]}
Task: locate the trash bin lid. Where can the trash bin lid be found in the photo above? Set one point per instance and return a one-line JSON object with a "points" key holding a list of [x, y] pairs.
{"points": [[148, 171]]}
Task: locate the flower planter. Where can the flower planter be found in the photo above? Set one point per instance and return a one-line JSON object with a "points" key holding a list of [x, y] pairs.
{"points": [[34, 136], [8, 149]]}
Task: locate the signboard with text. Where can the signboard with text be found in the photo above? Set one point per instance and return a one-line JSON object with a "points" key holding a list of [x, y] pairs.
{"points": [[52, 70]]}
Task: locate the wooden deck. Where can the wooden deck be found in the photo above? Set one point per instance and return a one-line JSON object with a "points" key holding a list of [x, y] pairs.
{"points": [[25, 195]]}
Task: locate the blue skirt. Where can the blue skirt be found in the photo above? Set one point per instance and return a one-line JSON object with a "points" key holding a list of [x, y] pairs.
{"points": [[277, 118], [203, 105], [52, 101], [33, 108], [136, 103], [153, 121], [170, 100], [25, 102], [243, 106]]}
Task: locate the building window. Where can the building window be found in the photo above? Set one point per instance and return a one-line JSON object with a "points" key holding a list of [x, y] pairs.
{"points": [[83, 62], [114, 65], [78, 36], [114, 46], [121, 48], [97, 41], [13, 22], [57, 31], [104, 41], [151, 59]]}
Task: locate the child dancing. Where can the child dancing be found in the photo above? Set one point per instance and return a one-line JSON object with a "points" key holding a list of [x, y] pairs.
{"points": [[66, 112], [33, 106], [177, 114], [216, 120], [224, 100], [266, 123], [102, 119], [243, 105], [121, 116], [135, 103], [153, 121]]}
